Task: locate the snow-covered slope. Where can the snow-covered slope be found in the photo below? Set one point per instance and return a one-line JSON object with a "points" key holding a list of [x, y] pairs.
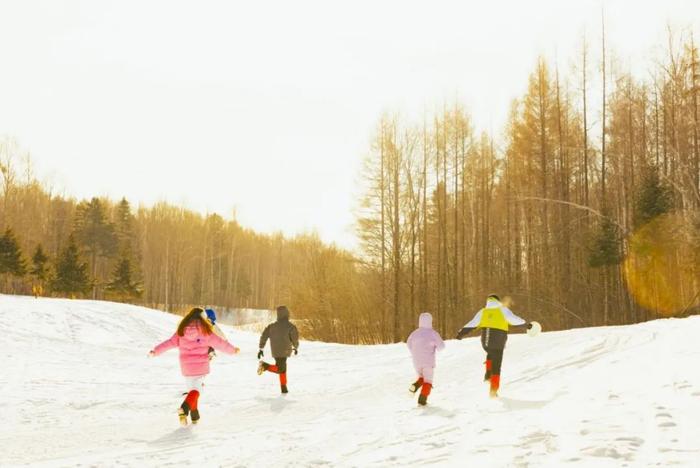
{"points": [[77, 388]]}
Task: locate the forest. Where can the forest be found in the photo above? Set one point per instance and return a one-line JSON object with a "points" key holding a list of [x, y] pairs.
{"points": [[585, 209]]}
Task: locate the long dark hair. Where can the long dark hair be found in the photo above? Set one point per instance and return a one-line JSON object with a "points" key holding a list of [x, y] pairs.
{"points": [[194, 315]]}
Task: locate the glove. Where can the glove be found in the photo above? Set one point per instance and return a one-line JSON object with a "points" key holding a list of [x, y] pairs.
{"points": [[260, 354], [529, 325], [236, 350], [296, 351]]}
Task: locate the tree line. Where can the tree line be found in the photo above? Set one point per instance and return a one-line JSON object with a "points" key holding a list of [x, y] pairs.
{"points": [[583, 217], [167, 257]]}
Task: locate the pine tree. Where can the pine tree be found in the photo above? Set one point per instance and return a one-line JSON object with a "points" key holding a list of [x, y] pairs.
{"points": [[11, 261], [653, 199], [606, 245], [98, 235], [605, 251], [124, 223], [71, 274], [39, 270], [128, 246], [122, 285], [39, 259]]}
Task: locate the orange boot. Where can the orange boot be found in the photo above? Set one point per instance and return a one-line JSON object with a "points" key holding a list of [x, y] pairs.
{"points": [[489, 365], [495, 383], [192, 400], [425, 391], [189, 408], [283, 382], [416, 385]]}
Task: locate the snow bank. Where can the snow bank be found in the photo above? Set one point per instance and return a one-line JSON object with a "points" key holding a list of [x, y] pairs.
{"points": [[78, 389]]}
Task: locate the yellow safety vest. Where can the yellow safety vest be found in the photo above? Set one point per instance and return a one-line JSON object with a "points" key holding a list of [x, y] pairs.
{"points": [[493, 318]]}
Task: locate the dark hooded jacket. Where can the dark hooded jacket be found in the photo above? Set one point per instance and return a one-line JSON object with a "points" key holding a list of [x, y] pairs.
{"points": [[283, 335]]}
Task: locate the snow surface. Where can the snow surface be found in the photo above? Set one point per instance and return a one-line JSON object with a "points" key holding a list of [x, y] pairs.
{"points": [[78, 389]]}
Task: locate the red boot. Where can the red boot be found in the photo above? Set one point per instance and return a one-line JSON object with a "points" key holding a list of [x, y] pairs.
{"points": [[192, 400], [425, 391], [189, 408], [489, 365], [416, 385], [263, 366], [495, 383], [283, 382]]}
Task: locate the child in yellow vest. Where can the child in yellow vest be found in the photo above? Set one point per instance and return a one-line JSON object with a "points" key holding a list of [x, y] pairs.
{"points": [[494, 321]]}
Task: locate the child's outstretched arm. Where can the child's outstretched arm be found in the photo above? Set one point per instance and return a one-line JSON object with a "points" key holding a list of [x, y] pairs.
{"points": [[220, 344], [170, 343], [439, 343], [513, 319], [294, 338], [264, 336], [263, 341], [473, 323]]}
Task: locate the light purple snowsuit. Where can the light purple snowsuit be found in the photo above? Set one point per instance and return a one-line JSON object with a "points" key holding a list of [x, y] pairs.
{"points": [[423, 343]]}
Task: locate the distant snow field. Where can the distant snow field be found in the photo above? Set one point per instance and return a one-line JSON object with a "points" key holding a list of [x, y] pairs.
{"points": [[78, 389]]}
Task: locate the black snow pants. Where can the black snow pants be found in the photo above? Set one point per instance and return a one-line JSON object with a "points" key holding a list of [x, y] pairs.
{"points": [[494, 342]]}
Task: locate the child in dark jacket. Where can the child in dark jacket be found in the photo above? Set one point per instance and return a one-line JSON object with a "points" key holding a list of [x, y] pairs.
{"points": [[494, 321], [284, 339]]}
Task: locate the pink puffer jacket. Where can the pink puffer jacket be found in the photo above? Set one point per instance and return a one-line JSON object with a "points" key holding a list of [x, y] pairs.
{"points": [[194, 349], [424, 342]]}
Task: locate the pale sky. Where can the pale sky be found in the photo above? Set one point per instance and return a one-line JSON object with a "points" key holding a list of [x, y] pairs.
{"points": [[268, 107]]}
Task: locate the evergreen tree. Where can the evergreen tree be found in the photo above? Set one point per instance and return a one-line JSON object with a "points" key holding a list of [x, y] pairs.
{"points": [[96, 233], [122, 285], [125, 237], [653, 199], [11, 261], [606, 245], [71, 275], [39, 268], [124, 222]]}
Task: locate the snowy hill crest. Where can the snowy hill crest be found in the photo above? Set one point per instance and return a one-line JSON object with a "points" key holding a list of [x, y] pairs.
{"points": [[80, 390]]}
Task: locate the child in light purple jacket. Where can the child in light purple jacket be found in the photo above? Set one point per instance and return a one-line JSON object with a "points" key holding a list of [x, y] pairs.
{"points": [[423, 343], [194, 337]]}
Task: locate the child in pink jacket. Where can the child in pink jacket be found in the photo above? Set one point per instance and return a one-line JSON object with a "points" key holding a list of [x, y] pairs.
{"points": [[423, 343], [193, 337]]}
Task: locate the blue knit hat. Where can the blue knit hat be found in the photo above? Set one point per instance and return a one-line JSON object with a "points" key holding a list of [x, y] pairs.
{"points": [[211, 315]]}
